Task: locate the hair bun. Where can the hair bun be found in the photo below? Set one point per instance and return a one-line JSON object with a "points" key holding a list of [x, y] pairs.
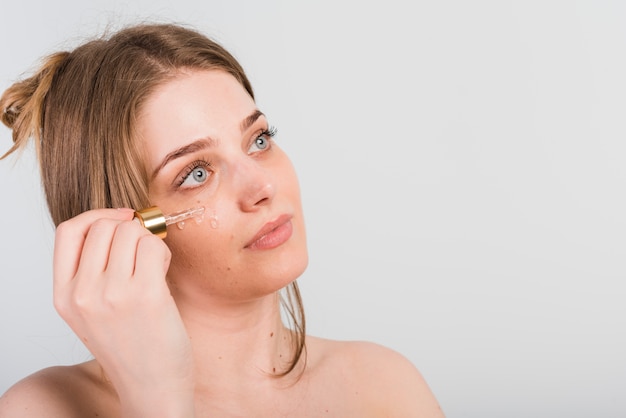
{"points": [[13, 101], [22, 103]]}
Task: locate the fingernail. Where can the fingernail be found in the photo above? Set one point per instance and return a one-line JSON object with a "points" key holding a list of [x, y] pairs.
{"points": [[125, 212]]}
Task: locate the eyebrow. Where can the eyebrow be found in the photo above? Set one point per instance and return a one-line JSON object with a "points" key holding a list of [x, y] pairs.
{"points": [[195, 146], [247, 122], [203, 143]]}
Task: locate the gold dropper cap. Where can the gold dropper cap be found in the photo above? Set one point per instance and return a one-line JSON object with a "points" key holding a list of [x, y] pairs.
{"points": [[153, 220]]}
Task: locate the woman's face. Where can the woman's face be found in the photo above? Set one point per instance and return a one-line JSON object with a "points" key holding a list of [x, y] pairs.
{"points": [[207, 144]]}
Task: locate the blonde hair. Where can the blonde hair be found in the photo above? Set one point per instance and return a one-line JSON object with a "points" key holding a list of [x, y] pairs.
{"points": [[81, 109]]}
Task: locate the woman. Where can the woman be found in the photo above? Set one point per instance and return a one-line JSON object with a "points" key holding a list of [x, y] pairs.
{"points": [[190, 325]]}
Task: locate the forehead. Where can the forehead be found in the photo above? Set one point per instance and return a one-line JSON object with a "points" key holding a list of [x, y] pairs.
{"points": [[211, 93], [192, 105]]}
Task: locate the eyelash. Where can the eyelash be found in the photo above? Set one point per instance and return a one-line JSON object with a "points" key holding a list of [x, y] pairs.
{"points": [[269, 132], [189, 169]]}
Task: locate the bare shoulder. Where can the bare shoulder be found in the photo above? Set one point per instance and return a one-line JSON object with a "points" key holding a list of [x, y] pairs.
{"points": [[385, 379], [60, 391]]}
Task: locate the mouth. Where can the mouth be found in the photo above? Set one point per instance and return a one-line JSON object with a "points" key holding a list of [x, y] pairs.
{"points": [[272, 234]]}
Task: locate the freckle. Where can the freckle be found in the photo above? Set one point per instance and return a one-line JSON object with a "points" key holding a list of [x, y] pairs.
{"points": [[280, 355], [274, 369], [220, 357], [271, 334]]}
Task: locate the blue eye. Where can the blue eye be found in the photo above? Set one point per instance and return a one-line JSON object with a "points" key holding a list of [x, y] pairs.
{"points": [[196, 174], [262, 141], [199, 174]]}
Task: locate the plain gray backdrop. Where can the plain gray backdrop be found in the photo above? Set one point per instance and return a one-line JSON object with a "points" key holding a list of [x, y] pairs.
{"points": [[463, 175]]}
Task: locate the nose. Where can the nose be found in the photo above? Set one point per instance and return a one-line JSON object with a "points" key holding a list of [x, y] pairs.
{"points": [[255, 186]]}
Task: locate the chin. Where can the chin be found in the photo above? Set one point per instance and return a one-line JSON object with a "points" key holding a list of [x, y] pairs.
{"points": [[248, 281], [280, 274]]}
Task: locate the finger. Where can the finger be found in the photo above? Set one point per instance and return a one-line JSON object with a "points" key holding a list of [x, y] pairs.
{"points": [[96, 248], [152, 261], [70, 237], [121, 265]]}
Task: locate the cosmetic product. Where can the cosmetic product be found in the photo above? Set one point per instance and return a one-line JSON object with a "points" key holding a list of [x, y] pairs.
{"points": [[155, 221]]}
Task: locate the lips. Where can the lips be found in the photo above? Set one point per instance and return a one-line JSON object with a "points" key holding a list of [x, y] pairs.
{"points": [[272, 234]]}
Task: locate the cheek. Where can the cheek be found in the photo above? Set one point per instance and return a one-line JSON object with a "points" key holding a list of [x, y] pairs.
{"points": [[208, 248], [289, 178], [200, 248]]}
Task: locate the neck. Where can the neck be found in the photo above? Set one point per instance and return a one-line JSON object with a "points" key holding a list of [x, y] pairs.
{"points": [[236, 344]]}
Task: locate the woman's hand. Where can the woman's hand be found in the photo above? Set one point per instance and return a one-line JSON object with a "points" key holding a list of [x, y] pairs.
{"points": [[110, 287]]}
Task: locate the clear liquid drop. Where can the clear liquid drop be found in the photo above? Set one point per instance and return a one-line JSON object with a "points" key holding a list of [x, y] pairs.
{"points": [[214, 223], [181, 225]]}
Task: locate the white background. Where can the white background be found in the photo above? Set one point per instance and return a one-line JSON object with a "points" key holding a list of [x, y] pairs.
{"points": [[463, 174]]}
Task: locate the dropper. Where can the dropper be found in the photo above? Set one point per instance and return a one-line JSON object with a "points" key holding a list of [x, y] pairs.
{"points": [[153, 220]]}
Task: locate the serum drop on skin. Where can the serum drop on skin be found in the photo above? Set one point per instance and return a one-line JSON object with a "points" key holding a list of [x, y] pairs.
{"points": [[213, 221]]}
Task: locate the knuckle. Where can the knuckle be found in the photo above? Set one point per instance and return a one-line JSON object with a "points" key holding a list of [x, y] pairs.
{"points": [[84, 301], [167, 255], [81, 302], [113, 300], [149, 242], [101, 225], [63, 229], [61, 306], [128, 226]]}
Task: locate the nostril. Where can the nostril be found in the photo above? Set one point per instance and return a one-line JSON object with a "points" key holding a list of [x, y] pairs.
{"points": [[258, 190]]}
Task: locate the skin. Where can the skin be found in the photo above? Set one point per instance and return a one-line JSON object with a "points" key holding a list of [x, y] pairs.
{"points": [[190, 326]]}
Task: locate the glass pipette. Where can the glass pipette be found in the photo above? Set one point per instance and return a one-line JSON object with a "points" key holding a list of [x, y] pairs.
{"points": [[155, 221]]}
